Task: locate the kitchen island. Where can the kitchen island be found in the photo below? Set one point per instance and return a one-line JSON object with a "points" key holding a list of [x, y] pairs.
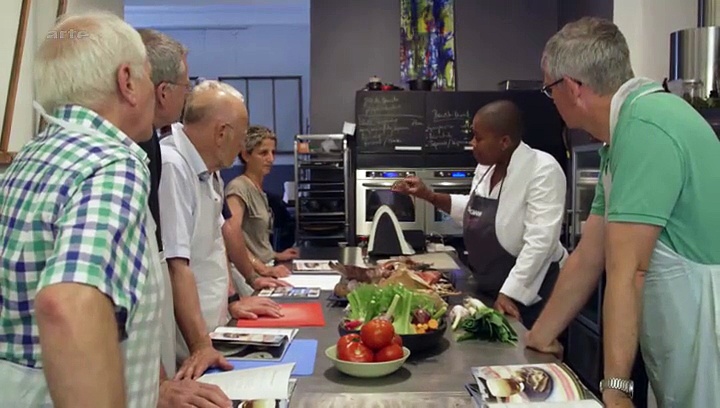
{"points": [[435, 378]]}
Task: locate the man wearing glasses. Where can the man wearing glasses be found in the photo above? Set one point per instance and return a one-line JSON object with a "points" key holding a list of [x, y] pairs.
{"points": [[653, 226]]}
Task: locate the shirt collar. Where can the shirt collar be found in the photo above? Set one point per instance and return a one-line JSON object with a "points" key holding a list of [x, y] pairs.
{"points": [[189, 152], [82, 116]]}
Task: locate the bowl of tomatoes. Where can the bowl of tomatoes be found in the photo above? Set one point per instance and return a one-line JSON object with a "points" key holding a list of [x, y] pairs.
{"points": [[374, 352]]}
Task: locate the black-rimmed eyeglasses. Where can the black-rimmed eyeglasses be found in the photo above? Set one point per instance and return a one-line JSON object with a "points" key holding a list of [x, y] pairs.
{"points": [[547, 89]]}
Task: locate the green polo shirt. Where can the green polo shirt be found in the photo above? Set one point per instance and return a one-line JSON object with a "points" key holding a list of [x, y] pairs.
{"points": [[665, 164]]}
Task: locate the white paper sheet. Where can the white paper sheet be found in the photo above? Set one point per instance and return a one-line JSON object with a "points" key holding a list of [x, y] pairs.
{"points": [[322, 281], [269, 382]]}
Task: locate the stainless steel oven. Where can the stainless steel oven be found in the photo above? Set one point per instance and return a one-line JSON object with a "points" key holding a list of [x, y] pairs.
{"points": [[447, 181], [585, 174], [374, 189]]}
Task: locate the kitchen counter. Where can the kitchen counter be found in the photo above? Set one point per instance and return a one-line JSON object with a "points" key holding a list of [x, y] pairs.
{"points": [[435, 378]]}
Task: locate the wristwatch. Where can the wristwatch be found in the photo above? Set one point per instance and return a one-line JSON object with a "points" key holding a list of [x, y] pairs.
{"points": [[619, 384], [233, 298]]}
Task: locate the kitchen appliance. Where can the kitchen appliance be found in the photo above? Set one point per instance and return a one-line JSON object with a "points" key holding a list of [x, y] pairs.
{"points": [[447, 181], [323, 200], [386, 236], [695, 52], [585, 170], [374, 189]]}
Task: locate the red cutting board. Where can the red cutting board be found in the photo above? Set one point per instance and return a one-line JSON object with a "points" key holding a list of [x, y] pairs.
{"points": [[295, 315]]}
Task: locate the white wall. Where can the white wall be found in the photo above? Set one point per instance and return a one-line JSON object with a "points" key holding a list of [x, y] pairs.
{"points": [[264, 50], [40, 22], [647, 25], [238, 38]]}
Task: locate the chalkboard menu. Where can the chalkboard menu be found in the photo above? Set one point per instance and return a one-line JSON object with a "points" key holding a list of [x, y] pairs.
{"points": [[390, 121], [449, 117]]}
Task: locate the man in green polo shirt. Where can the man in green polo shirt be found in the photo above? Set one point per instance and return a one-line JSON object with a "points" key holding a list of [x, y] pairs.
{"points": [[653, 226]]}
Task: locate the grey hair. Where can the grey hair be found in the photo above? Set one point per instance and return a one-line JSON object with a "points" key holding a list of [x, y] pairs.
{"points": [[196, 111], [590, 50], [82, 69], [165, 55]]}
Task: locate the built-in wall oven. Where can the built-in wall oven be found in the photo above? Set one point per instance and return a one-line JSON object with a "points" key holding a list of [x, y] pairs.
{"points": [[447, 181], [374, 189]]}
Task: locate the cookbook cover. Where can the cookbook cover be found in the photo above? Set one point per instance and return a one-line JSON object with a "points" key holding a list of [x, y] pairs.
{"points": [[314, 266], [527, 383]]}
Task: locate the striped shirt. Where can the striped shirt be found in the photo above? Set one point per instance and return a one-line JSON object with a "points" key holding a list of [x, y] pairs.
{"points": [[73, 208]]}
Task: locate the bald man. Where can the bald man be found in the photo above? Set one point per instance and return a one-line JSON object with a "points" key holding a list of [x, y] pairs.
{"points": [[191, 197], [513, 245]]}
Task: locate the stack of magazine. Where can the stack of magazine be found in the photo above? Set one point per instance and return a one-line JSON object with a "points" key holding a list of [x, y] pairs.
{"points": [[252, 343], [530, 385]]}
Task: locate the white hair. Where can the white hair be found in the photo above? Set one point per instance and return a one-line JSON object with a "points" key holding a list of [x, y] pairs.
{"points": [[592, 51], [195, 110], [78, 61]]}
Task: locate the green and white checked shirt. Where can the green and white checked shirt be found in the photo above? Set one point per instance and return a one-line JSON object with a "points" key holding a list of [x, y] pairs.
{"points": [[73, 208]]}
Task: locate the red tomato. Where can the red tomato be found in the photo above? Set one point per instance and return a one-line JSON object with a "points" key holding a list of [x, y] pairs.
{"points": [[377, 333], [389, 353], [357, 353], [346, 340], [397, 340]]}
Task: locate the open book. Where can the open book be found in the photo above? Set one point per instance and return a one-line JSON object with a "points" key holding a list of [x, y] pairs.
{"points": [[541, 385], [263, 387], [252, 343]]}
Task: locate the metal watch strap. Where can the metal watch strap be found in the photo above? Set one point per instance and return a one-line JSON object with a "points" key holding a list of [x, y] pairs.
{"points": [[619, 384]]}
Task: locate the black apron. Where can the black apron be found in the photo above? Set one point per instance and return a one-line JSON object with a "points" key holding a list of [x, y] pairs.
{"points": [[489, 261]]}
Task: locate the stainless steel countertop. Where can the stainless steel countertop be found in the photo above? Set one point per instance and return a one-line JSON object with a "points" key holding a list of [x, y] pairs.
{"points": [[435, 378]]}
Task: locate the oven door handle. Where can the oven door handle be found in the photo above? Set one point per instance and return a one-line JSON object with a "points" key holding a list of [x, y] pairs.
{"points": [[377, 185], [450, 184]]}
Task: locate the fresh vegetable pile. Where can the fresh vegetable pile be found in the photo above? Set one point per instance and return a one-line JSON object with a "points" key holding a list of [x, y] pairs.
{"points": [[409, 311], [377, 342], [475, 320]]}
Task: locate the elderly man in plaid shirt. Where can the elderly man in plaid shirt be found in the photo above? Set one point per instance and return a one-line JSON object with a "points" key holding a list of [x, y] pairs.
{"points": [[81, 291]]}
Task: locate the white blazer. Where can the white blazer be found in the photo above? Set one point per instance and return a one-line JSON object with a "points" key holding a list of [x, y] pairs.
{"points": [[529, 218]]}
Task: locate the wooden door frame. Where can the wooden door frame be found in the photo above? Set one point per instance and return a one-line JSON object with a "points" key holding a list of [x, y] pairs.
{"points": [[25, 10]]}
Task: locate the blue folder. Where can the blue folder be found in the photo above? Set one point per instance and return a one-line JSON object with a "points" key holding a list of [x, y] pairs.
{"points": [[301, 352]]}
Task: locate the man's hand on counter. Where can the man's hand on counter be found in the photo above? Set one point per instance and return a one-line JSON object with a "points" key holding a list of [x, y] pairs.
{"points": [[505, 305], [287, 255], [554, 347], [199, 361], [268, 282], [252, 307], [189, 393], [279, 271]]}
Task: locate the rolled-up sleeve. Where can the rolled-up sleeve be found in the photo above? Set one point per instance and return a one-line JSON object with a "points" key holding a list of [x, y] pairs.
{"points": [[543, 223], [176, 215]]}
